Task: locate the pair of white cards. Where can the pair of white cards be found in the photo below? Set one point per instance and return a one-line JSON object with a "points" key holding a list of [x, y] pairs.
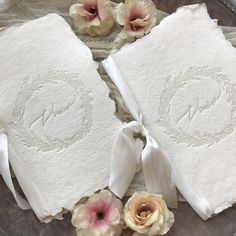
{"points": [[60, 122]]}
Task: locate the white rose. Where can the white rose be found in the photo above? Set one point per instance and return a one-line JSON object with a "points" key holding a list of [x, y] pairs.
{"points": [[147, 214]]}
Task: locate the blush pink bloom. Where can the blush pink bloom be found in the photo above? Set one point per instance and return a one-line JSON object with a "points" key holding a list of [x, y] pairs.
{"points": [[92, 17], [100, 215], [137, 16]]}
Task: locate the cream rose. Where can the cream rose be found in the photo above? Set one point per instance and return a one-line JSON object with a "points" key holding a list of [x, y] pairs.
{"points": [[92, 17], [137, 17], [147, 214]]}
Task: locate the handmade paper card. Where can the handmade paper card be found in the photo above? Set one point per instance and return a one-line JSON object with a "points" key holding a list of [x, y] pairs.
{"points": [[56, 113], [180, 81]]}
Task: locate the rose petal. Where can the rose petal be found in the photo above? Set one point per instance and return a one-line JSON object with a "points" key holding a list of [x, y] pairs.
{"points": [[74, 9], [104, 9], [89, 2], [103, 195], [118, 13], [79, 21], [114, 216], [94, 22], [116, 203], [139, 228], [79, 218]]}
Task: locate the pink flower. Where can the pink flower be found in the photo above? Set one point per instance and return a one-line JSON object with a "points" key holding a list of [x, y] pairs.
{"points": [[137, 16], [100, 215], [92, 17]]}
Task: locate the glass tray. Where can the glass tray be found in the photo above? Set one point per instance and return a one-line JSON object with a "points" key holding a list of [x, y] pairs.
{"points": [[15, 222]]}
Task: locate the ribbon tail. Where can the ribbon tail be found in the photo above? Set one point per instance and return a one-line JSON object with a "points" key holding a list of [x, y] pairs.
{"points": [[6, 174], [157, 171], [126, 159]]}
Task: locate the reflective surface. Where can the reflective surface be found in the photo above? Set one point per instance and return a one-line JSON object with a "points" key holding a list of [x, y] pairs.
{"points": [[15, 222]]}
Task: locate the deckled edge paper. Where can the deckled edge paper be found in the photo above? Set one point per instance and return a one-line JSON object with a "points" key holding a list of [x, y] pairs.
{"points": [[195, 199], [31, 191]]}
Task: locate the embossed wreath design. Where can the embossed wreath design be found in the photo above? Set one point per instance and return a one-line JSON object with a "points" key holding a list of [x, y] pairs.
{"points": [[173, 85], [29, 138]]}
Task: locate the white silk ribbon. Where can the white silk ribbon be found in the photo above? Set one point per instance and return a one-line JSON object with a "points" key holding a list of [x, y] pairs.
{"points": [[129, 155], [161, 175], [126, 159], [31, 191], [157, 172], [6, 174], [155, 163]]}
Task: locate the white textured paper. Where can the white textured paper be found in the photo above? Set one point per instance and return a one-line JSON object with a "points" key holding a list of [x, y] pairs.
{"points": [[56, 111], [183, 77]]}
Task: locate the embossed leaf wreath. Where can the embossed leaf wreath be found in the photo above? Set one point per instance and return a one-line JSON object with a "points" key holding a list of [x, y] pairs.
{"points": [[173, 85], [97, 18], [30, 138]]}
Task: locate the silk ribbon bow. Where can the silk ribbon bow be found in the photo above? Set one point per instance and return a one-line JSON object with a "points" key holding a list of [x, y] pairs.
{"points": [[161, 175], [128, 156], [155, 163]]}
